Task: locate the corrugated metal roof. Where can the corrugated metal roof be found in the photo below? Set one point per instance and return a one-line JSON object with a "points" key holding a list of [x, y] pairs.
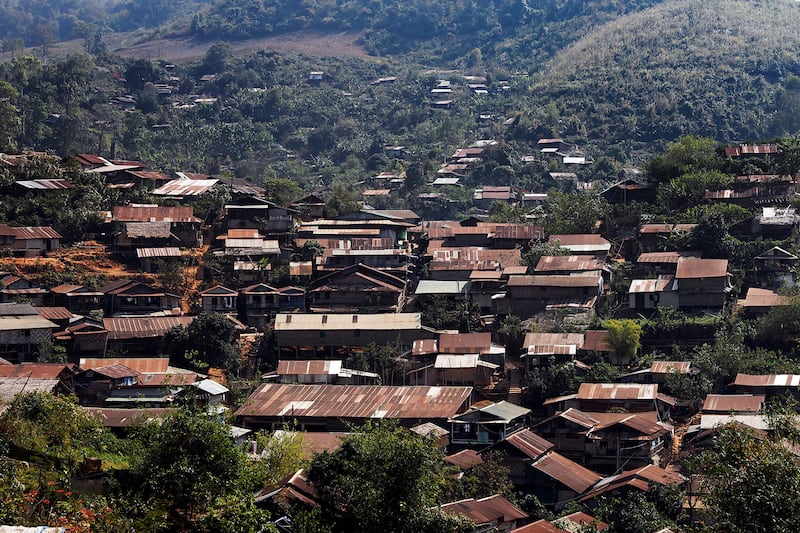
{"points": [[465, 459], [309, 367], [136, 230], [567, 472], [465, 342], [355, 401], [575, 339], [574, 263], [579, 239], [664, 257], [187, 187], [429, 429], [539, 280], [755, 421], [665, 228], [143, 365], [375, 321], [54, 313], [46, 184], [34, 370], [669, 367], [762, 298], [445, 361], [768, 380], [595, 340], [617, 391], [647, 286], [154, 213], [579, 417], [11, 387], [172, 251], [209, 386], [582, 520], [17, 309], [494, 509], [219, 290], [695, 267], [29, 232], [529, 443], [736, 403], [424, 347], [115, 371], [142, 327], [540, 526], [12, 323]]}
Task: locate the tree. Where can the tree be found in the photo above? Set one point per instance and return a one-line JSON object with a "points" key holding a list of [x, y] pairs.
{"points": [[382, 478], [189, 464], [687, 154], [548, 381], [512, 331], [9, 117], [751, 483], [624, 337], [217, 58], [573, 212], [209, 339], [542, 249]]}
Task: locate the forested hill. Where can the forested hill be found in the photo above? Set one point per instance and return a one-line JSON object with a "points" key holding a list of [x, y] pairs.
{"points": [[720, 68], [507, 32]]}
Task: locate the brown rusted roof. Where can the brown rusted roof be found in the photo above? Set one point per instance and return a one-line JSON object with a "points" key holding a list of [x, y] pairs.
{"points": [[617, 391], [143, 365], [668, 367], [540, 526], [154, 213], [148, 230], [170, 251], [142, 327], [188, 187], [115, 371], [648, 428], [762, 298], [666, 228], [529, 443], [694, 267], [29, 232], [54, 313], [539, 280], [566, 472], [465, 459], [494, 509], [736, 403], [518, 232], [664, 257], [465, 342], [573, 263], [553, 338], [578, 239], [595, 340], [639, 479], [355, 401], [34, 370], [583, 520], [308, 367]]}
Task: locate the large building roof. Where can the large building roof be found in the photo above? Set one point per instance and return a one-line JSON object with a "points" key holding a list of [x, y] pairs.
{"points": [[617, 391], [694, 267], [355, 401], [373, 321], [142, 327]]}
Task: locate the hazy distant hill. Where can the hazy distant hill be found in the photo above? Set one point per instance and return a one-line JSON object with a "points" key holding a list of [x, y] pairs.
{"points": [[511, 32], [722, 68]]}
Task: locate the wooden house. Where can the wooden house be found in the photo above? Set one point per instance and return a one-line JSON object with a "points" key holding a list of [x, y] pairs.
{"points": [[357, 288]]}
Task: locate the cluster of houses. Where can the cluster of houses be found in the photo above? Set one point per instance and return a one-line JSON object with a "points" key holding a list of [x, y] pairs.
{"points": [[366, 278]]}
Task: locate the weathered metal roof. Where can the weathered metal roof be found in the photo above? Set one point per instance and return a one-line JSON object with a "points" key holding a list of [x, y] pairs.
{"points": [[171, 251], [309, 367], [17, 309], [762, 298], [566, 472], [579, 239], [187, 187], [143, 365], [465, 342], [664, 257], [209, 386], [54, 313], [11, 387], [666, 228], [29, 232], [374, 321], [452, 361], [582, 521], [115, 371], [219, 290], [34, 370], [669, 367], [491, 510], [539, 280], [148, 230], [733, 403], [154, 213], [429, 429], [540, 526], [529, 443], [355, 401], [46, 184], [754, 420], [595, 340], [574, 263], [142, 327], [465, 459], [617, 391], [648, 286], [12, 323], [695, 267], [768, 380]]}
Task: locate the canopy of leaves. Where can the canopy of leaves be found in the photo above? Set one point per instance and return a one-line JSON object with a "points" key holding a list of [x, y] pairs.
{"points": [[383, 478]]}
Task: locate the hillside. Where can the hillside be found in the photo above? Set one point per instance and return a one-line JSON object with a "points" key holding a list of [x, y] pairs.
{"points": [[719, 68]]}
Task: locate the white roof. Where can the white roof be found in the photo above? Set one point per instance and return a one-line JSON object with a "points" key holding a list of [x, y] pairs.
{"points": [[211, 387], [456, 361], [754, 421]]}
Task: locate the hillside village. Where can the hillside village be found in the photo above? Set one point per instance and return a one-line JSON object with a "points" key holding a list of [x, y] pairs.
{"points": [[576, 357]]}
